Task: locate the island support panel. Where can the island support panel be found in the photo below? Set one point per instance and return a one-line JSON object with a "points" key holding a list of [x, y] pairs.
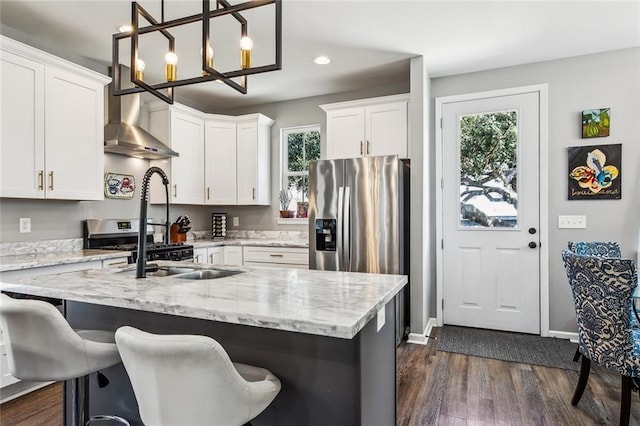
{"points": [[325, 380]]}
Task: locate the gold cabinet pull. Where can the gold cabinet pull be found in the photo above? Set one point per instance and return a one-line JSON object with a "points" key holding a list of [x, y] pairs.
{"points": [[51, 181], [175, 190], [41, 180], [253, 194], [368, 143], [211, 258], [361, 148], [208, 193]]}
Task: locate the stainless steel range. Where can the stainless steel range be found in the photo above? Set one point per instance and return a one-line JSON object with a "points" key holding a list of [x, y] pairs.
{"points": [[122, 234]]}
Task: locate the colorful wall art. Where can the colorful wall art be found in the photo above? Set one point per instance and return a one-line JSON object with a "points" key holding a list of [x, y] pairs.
{"points": [[596, 122], [117, 185], [595, 172]]}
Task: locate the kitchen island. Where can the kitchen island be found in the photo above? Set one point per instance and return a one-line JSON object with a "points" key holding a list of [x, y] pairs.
{"points": [[328, 336]]}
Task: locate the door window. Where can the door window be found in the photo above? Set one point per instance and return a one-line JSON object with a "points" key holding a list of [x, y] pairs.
{"points": [[489, 170]]}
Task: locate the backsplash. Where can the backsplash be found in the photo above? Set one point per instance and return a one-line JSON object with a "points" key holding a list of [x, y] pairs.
{"points": [[29, 247], [250, 235]]}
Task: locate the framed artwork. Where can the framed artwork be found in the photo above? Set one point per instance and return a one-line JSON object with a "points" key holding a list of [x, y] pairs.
{"points": [[117, 185], [303, 210], [595, 172], [596, 122]]}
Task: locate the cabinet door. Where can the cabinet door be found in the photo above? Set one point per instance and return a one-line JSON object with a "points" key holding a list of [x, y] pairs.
{"points": [[386, 129], [345, 133], [200, 255], [216, 255], [220, 163], [74, 133], [233, 255], [247, 163], [21, 127], [187, 170]]}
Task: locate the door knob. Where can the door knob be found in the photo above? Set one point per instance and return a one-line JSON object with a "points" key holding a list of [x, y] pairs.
{"points": [[532, 244], [532, 231]]}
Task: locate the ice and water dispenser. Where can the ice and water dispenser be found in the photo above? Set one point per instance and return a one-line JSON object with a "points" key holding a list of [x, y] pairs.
{"points": [[326, 236]]}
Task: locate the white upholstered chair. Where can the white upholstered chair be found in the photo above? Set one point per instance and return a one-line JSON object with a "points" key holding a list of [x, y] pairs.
{"points": [[42, 346], [190, 380]]}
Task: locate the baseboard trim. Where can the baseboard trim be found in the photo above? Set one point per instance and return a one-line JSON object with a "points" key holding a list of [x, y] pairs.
{"points": [[572, 337], [422, 339]]}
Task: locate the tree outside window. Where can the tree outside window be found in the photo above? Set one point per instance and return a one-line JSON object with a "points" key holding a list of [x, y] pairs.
{"points": [[299, 146]]}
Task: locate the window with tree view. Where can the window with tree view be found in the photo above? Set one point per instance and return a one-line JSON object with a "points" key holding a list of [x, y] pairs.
{"points": [[489, 170], [299, 146]]}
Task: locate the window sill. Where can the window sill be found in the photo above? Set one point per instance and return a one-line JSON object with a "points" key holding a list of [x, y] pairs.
{"points": [[293, 221]]}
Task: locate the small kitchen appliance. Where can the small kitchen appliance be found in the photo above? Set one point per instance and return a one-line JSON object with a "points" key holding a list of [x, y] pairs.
{"points": [[122, 234]]}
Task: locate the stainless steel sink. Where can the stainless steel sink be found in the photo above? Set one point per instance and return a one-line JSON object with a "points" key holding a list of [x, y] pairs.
{"points": [[208, 274], [164, 271]]}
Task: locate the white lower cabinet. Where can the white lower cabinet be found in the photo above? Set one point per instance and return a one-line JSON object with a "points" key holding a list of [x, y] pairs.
{"points": [[210, 255], [233, 256], [277, 257]]}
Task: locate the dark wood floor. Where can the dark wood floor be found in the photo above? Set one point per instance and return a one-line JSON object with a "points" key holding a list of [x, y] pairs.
{"points": [[440, 388]]}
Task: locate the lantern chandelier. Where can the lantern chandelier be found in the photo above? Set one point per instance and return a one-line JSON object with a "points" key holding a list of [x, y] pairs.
{"points": [[209, 73]]}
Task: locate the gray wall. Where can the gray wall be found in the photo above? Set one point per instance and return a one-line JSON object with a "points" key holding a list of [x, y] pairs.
{"points": [[609, 79]]}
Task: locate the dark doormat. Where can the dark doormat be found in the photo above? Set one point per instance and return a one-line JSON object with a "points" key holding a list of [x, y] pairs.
{"points": [[508, 346]]}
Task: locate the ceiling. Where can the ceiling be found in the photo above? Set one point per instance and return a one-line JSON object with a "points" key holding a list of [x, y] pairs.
{"points": [[370, 42]]}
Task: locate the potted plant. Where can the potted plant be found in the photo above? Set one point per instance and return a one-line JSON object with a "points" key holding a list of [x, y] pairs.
{"points": [[285, 200]]}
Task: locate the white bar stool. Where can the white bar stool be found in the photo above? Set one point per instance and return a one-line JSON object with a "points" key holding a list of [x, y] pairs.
{"points": [[190, 380], [42, 346]]}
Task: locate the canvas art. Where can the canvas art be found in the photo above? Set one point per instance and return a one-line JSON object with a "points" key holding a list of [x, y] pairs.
{"points": [[596, 122], [117, 185], [595, 172]]}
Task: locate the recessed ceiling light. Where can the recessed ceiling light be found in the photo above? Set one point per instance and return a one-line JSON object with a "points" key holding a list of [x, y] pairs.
{"points": [[322, 60]]}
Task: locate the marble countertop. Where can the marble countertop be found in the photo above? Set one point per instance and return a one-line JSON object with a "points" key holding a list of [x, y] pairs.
{"points": [[327, 303], [53, 258], [257, 242]]}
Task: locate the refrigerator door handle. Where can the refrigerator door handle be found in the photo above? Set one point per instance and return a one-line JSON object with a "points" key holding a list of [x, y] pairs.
{"points": [[346, 231], [339, 231]]}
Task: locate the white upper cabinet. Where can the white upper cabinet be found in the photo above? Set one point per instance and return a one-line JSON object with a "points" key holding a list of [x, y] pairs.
{"points": [[181, 129], [220, 160], [52, 121], [375, 126], [254, 159], [223, 160]]}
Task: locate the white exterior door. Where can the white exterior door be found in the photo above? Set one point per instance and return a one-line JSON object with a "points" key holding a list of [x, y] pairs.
{"points": [[490, 213]]}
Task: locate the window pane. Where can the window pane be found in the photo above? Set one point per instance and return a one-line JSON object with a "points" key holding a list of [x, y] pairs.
{"points": [[295, 152], [299, 188], [311, 147], [489, 170]]}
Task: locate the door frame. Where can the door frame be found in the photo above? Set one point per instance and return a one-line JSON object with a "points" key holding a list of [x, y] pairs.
{"points": [[543, 154]]}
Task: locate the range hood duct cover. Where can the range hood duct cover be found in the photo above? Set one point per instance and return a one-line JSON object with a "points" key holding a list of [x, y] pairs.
{"points": [[124, 136]]}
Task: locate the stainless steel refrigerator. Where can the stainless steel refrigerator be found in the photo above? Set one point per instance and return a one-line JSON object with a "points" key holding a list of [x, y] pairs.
{"points": [[358, 208]]}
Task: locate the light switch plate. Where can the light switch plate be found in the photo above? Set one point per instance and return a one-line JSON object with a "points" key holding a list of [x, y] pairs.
{"points": [[236, 221], [381, 319], [574, 222]]}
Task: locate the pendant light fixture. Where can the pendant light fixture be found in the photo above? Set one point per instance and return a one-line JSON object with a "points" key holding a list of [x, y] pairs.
{"points": [[164, 90]]}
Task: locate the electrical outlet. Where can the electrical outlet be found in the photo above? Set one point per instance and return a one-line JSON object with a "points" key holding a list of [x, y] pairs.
{"points": [[236, 221], [575, 222], [25, 225]]}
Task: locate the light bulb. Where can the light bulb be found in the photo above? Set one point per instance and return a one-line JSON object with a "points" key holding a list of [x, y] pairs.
{"points": [[125, 28], [170, 69], [171, 58], [246, 43], [140, 66]]}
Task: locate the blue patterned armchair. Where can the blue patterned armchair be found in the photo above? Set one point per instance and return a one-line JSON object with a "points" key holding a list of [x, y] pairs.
{"points": [[602, 289], [595, 248]]}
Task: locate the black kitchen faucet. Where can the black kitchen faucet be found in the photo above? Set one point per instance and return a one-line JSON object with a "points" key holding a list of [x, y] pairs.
{"points": [[141, 265]]}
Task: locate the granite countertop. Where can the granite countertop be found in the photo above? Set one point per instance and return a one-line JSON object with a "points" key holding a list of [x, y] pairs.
{"points": [[53, 258], [257, 242], [327, 303]]}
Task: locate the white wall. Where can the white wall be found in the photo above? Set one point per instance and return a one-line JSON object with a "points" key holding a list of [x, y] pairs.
{"points": [[610, 79]]}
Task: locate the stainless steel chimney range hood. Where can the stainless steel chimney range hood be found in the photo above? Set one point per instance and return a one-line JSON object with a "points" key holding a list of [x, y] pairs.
{"points": [[124, 136]]}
